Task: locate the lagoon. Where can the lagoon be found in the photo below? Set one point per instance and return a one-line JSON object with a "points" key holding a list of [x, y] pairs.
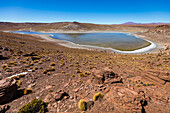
{"points": [[122, 42]]}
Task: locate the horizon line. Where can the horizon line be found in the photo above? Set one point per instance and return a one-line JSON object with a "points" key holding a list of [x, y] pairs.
{"points": [[130, 22]]}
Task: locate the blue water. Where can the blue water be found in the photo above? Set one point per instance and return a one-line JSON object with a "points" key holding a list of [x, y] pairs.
{"points": [[119, 41]]}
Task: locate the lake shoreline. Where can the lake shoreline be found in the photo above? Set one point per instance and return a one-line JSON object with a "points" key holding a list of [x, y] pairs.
{"points": [[69, 44], [152, 48]]}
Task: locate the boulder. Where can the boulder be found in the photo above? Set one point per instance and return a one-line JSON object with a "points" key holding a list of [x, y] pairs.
{"points": [[56, 96], [8, 88], [105, 76]]}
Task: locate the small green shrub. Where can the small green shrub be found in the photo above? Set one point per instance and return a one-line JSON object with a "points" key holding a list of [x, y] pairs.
{"points": [[98, 96], [35, 68], [19, 83], [40, 62], [51, 69], [4, 66], [12, 63], [87, 73], [82, 105], [81, 75], [138, 85], [7, 69], [45, 72], [63, 72], [78, 71], [35, 106], [52, 64]]}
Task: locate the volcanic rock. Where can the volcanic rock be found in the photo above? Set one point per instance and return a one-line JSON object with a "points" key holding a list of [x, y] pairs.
{"points": [[105, 76], [4, 108], [8, 90]]}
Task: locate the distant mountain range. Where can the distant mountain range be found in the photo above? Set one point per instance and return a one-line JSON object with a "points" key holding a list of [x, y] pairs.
{"points": [[133, 23], [77, 26]]}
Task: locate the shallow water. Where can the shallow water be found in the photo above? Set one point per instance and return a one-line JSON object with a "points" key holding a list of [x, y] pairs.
{"points": [[118, 41]]}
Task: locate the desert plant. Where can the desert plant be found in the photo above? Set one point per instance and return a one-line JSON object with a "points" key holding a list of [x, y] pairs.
{"points": [[48, 59], [138, 85], [40, 62], [51, 69], [87, 73], [48, 73], [27, 91], [7, 69], [35, 68], [82, 105], [78, 71], [62, 71], [12, 63], [45, 72], [35, 106], [98, 96], [81, 75], [52, 64], [19, 83], [4, 66]]}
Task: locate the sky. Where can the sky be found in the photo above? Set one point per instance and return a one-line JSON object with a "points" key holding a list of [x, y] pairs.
{"points": [[87, 11]]}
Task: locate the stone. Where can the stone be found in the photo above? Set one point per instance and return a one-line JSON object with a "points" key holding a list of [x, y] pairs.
{"points": [[30, 54], [4, 108], [60, 96], [98, 76], [107, 90], [66, 84], [48, 98], [56, 96], [76, 90], [48, 87], [105, 76], [116, 80], [8, 89], [155, 79]]}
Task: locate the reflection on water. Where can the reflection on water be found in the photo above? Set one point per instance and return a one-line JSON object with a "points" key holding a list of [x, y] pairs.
{"points": [[119, 41]]}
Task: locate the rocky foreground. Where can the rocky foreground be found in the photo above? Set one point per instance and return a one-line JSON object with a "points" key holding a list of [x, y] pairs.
{"points": [[59, 79]]}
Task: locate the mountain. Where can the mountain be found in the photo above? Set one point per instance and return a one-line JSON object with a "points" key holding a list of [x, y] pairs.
{"points": [[130, 23], [154, 23]]}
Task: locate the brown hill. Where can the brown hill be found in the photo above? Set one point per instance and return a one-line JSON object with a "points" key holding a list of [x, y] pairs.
{"points": [[69, 26]]}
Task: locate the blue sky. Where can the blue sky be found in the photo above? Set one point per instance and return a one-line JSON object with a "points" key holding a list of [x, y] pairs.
{"points": [[88, 11]]}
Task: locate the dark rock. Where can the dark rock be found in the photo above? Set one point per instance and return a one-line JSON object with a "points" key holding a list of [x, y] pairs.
{"points": [[61, 95], [4, 108], [116, 80], [56, 96], [98, 76], [6, 49], [1, 48], [30, 54], [105, 76], [8, 90], [1, 56], [35, 58]]}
